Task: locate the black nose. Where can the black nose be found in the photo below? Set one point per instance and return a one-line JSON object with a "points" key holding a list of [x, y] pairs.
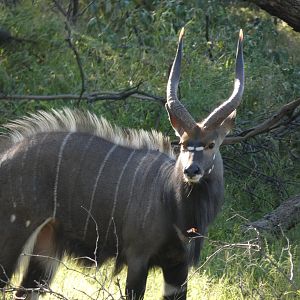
{"points": [[192, 170]]}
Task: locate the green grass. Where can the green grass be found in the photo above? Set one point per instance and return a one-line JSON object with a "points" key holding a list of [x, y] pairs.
{"points": [[232, 273]]}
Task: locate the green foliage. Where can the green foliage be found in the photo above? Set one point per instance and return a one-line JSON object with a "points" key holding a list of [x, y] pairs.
{"points": [[125, 43]]}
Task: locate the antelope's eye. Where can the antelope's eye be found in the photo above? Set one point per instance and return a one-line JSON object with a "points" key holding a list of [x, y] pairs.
{"points": [[211, 145]]}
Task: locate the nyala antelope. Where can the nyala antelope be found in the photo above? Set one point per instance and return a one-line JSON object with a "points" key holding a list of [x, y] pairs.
{"points": [[72, 183]]}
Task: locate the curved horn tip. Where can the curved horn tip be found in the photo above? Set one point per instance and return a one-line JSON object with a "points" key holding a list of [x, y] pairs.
{"points": [[241, 35], [181, 34]]}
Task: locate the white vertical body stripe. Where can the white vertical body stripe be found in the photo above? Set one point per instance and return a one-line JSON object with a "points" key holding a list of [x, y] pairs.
{"points": [[21, 177], [34, 176], [116, 193], [60, 155], [95, 187], [10, 185], [148, 209], [86, 147], [147, 170], [133, 181]]}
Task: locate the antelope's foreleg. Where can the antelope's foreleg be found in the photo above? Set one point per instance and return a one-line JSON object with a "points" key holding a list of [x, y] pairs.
{"points": [[136, 278], [175, 276]]}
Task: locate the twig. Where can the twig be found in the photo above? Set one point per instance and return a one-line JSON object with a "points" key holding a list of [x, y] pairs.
{"points": [[97, 235], [46, 289], [288, 249], [252, 244], [85, 8], [41, 289]]}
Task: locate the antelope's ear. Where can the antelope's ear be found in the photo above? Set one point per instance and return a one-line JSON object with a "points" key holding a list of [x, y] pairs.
{"points": [[175, 122], [227, 125]]}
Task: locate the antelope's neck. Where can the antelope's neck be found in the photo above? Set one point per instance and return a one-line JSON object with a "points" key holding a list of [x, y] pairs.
{"points": [[195, 205]]}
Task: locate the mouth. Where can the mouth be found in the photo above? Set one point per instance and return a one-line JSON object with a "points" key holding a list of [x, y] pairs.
{"points": [[192, 179]]}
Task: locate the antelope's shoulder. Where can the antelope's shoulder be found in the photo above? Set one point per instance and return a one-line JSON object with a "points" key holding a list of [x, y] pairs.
{"points": [[68, 120]]}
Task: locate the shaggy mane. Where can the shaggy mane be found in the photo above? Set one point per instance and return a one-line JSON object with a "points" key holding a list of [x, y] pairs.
{"points": [[78, 121]]}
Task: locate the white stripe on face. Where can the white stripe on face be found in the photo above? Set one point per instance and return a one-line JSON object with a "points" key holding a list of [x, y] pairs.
{"points": [[210, 170], [191, 148], [199, 148]]}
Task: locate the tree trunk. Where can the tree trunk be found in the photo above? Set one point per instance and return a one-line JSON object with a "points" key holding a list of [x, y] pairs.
{"points": [[286, 216], [286, 10]]}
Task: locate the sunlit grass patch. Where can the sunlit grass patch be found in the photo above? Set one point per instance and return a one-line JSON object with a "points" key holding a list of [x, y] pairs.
{"points": [[75, 282]]}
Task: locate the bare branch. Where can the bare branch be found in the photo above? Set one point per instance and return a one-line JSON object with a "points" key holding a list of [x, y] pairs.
{"points": [[92, 97], [284, 217], [288, 10], [78, 60], [73, 48], [268, 125], [60, 8]]}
